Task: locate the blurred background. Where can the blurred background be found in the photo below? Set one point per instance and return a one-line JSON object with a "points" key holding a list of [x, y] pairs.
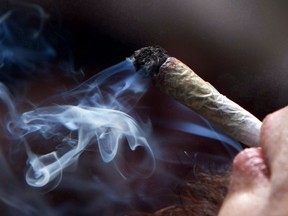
{"points": [[241, 48]]}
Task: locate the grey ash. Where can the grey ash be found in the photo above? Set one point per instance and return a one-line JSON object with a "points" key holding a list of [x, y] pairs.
{"points": [[150, 59]]}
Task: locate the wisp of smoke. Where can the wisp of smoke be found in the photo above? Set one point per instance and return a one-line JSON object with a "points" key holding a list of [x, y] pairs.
{"points": [[99, 115], [28, 48], [23, 48]]}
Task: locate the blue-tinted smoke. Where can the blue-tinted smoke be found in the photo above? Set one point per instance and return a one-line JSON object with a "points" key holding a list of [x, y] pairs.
{"points": [[28, 48], [99, 116]]}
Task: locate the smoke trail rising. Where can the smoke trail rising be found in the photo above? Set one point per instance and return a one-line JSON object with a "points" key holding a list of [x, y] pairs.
{"points": [[14, 195], [90, 115], [28, 47], [98, 117], [102, 116], [86, 115], [22, 46]]}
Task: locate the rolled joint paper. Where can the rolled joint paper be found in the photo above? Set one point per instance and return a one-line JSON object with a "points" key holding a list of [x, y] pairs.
{"points": [[177, 80]]}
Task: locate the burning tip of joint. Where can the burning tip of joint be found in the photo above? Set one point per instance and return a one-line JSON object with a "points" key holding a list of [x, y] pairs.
{"points": [[148, 60]]}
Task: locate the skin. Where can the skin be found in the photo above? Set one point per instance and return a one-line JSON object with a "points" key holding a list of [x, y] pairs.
{"points": [[259, 178]]}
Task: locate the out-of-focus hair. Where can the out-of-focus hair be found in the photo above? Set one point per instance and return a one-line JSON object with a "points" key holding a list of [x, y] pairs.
{"points": [[201, 196]]}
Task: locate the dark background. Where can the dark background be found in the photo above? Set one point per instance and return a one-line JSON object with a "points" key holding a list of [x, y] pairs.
{"points": [[239, 47]]}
